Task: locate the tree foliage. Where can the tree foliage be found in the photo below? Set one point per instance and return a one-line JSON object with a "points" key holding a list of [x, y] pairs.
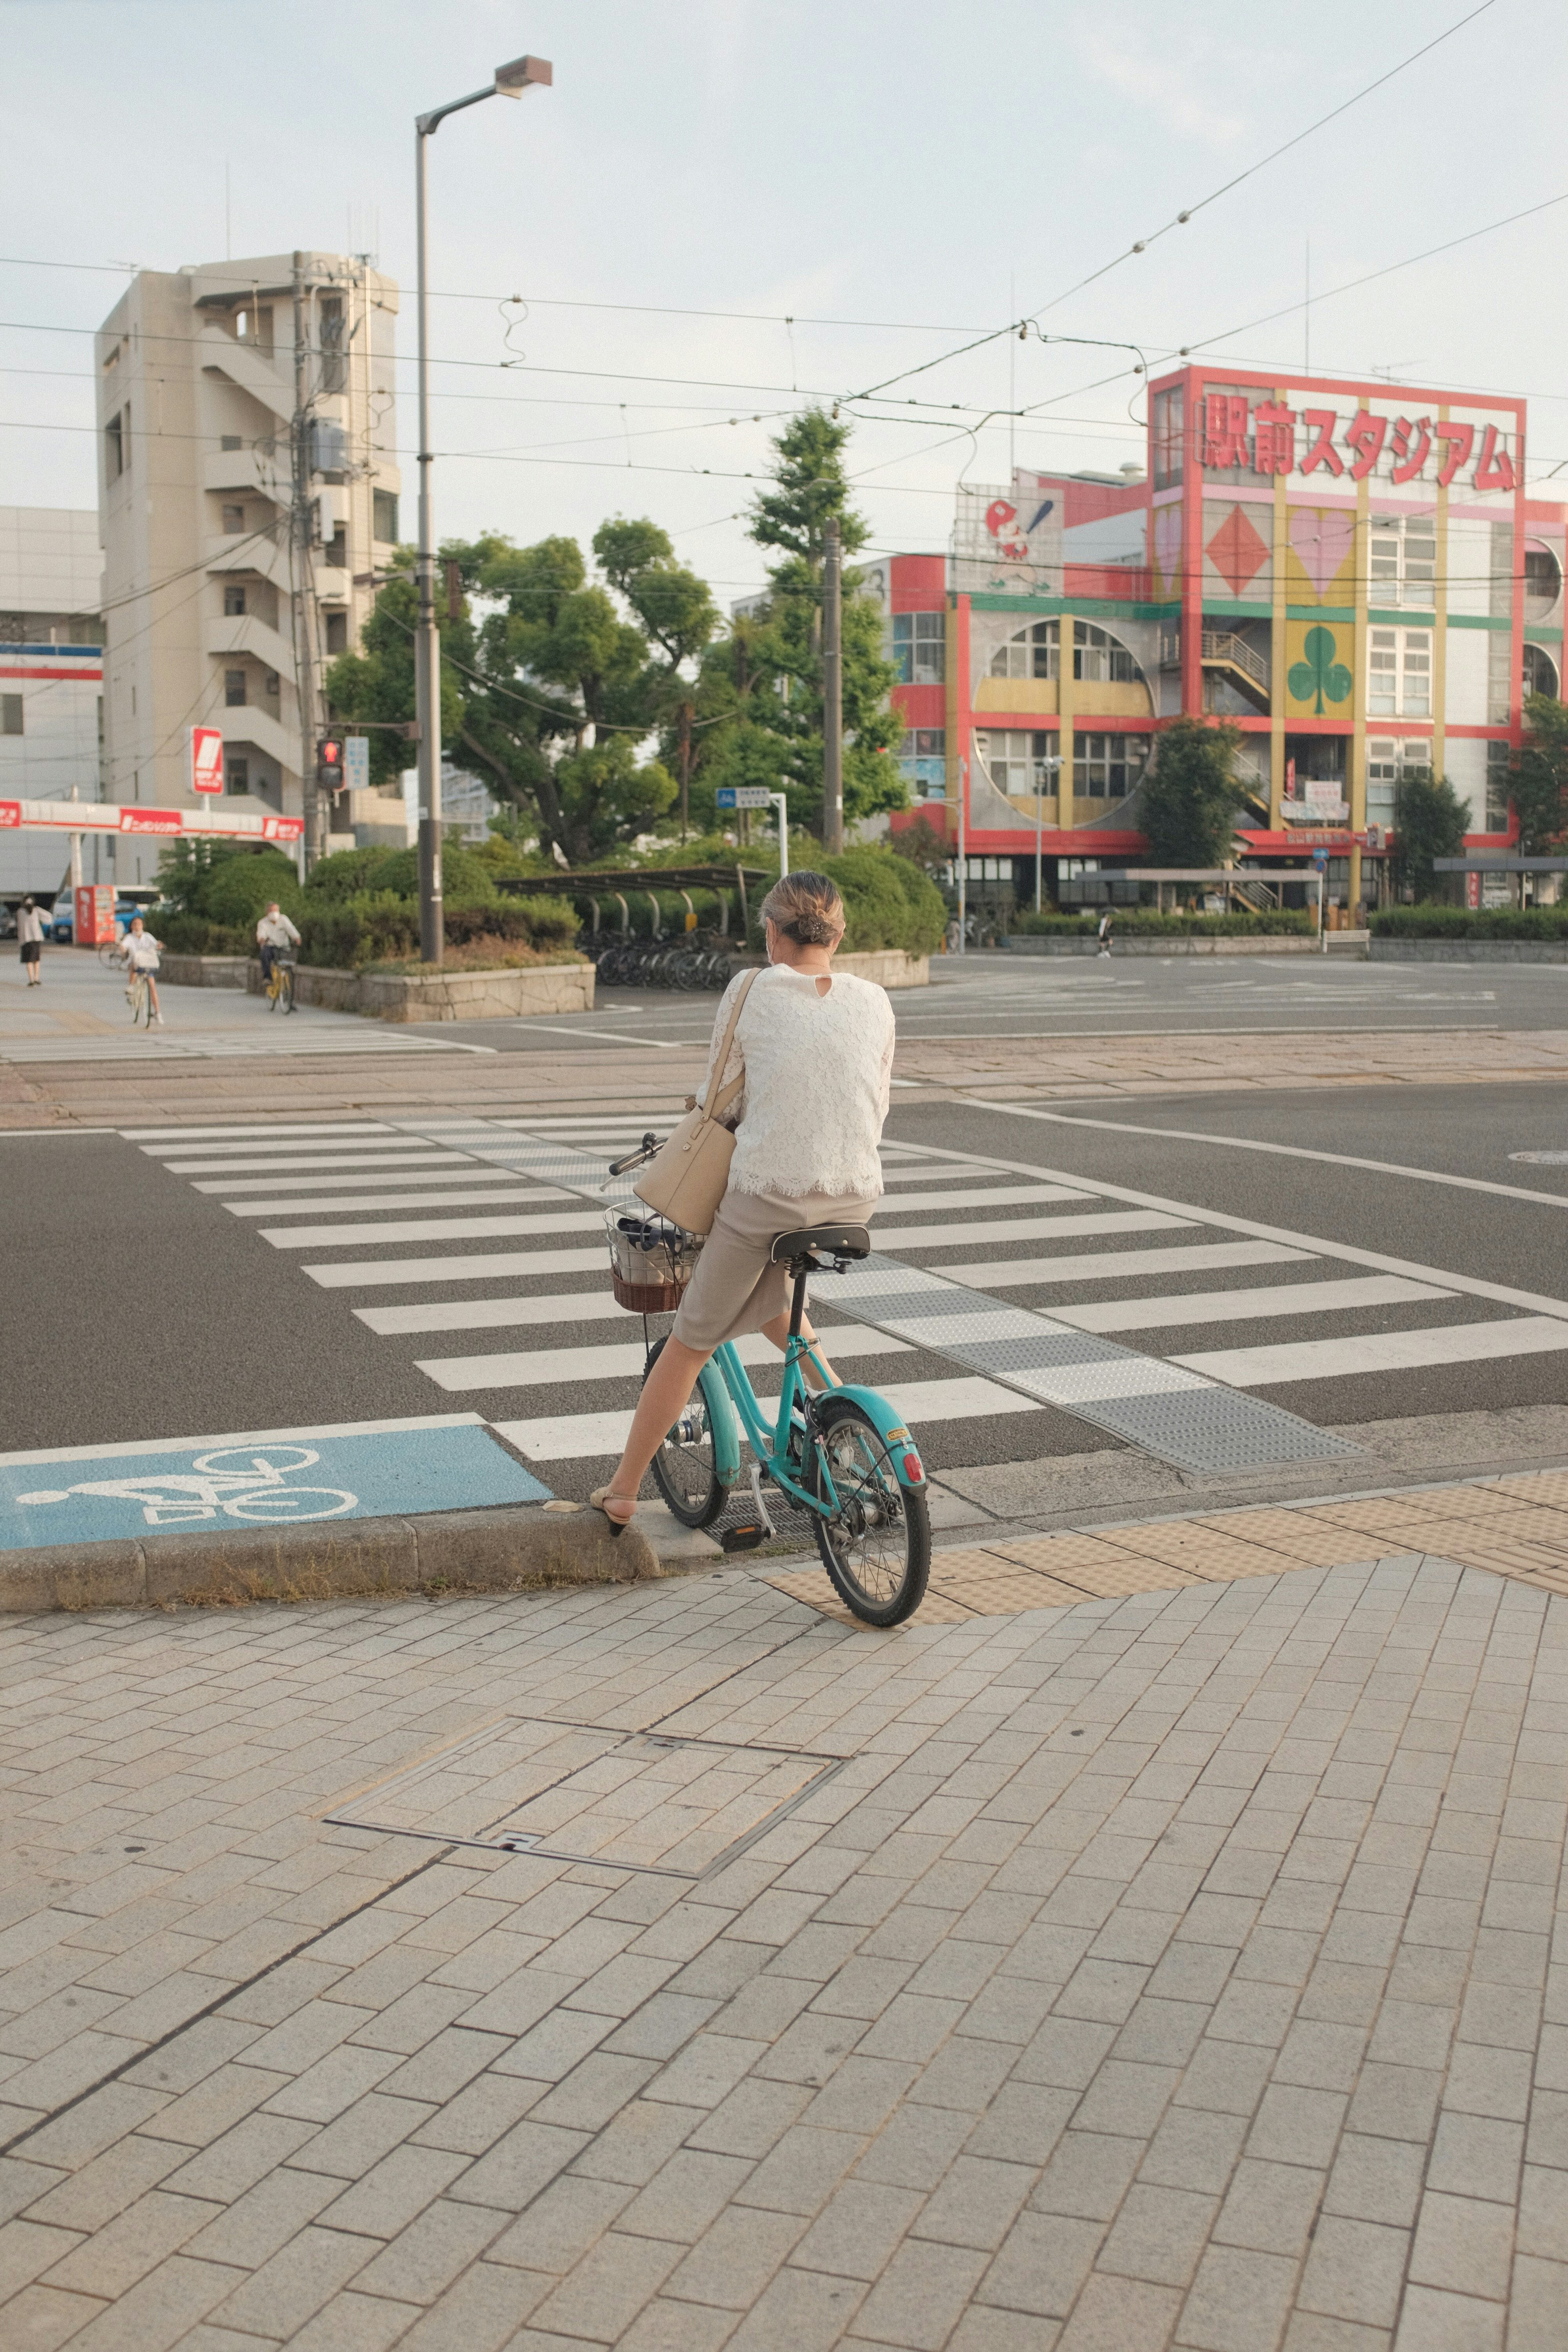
{"points": [[1539, 783], [759, 700], [1430, 821], [1188, 805]]}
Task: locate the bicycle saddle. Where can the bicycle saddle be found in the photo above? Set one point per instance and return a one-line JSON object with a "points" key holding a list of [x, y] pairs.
{"points": [[832, 1241]]}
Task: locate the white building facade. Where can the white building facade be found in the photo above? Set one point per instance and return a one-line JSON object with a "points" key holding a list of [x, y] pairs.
{"points": [[248, 500], [51, 682]]}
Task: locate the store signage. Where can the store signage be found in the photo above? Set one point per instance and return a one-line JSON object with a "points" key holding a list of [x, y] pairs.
{"points": [[111, 816], [10, 812], [206, 759], [1272, 438]]}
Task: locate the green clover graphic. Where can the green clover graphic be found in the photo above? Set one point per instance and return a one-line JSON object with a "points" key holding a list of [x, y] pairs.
{"points": [[1320, 674]]}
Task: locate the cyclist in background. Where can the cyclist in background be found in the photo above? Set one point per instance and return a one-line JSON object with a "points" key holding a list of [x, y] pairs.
{"points": [[273, 931], [141, 952]]}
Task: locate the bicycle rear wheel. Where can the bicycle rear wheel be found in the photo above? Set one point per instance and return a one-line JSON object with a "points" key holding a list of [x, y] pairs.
{"points": [[876, 1546], [684, 1469]]}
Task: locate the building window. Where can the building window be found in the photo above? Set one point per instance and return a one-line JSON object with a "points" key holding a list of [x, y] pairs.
{"points": [[115, 449], [920, 647], [1542, 582], [383, 515], [270, 681], [234, 688], [336, 550], [1165, 433], [228, 441], [1399, 674], [10, 714], [1018, 760], [334, 367], [1403, 560], [233, 518], [1107, 767], [233, 599], [1499, 761], [1539, 672], [337, 633], [236, 772], [1388, 762], [1031, 654], [1101, 658], [923, 759]]}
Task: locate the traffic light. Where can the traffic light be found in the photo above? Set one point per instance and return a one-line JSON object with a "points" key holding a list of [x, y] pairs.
{"points": [[330, 762]]}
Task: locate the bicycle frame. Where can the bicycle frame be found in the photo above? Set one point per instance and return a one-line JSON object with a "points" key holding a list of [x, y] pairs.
{"points": [[727, 1391]]}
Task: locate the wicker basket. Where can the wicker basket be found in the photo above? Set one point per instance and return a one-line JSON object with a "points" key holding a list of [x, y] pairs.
{"points": [[651, 1261]]}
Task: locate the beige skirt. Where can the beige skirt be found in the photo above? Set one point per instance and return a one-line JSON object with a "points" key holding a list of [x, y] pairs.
{"points": [[737, 1287]]}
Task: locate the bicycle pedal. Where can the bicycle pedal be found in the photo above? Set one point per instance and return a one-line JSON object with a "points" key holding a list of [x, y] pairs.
{"points": [[743, 1539]]}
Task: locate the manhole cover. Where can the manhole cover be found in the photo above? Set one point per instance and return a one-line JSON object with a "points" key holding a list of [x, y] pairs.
{"points": [[577, 1793]]}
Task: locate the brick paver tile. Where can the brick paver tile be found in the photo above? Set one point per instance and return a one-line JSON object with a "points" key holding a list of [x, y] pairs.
{"points": [[664, 2325], [608, 2287], [1159, 2235], [1120, 2315], [1041, 2264], [160, 2308], [355, 2322], [919, 2298], [1463, 2243], [560, 2227], [40, 2317], [808, 2311], [480, 2312], [732, 2263], [1355, 2271], [1432, 2321], [1238, 2301]]}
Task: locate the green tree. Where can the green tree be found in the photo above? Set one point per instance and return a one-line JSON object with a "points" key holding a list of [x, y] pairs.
{"points": [[1189, 802], [1539, 783], [675, 610], [376, 680], [759, 700], [1430, 821], [546, 689]]}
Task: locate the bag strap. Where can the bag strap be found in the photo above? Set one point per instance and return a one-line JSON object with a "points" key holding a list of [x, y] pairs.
{"points": [[722, 1097]]}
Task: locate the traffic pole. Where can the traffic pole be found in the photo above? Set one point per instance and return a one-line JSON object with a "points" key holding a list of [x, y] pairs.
{"points": [[832, 690]]}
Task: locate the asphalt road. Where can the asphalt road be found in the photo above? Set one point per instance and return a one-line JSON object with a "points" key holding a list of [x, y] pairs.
{"points": [[141, 1306], [996, 996]]}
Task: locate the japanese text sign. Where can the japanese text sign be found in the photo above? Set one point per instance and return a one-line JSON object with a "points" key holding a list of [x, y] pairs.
{"points": [[1272, 438], [206, 759]]}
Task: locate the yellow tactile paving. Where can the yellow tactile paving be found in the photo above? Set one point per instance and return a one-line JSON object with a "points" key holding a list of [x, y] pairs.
{"points": [[1513, 1526]]}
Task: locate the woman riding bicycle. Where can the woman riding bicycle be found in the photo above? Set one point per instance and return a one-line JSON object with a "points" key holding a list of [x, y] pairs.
{"points": [[816, 1051], [141, 952]]}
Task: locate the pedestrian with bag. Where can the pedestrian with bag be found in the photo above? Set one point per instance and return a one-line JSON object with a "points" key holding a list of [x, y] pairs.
{"points": [[784, 1135], [30, 939]]}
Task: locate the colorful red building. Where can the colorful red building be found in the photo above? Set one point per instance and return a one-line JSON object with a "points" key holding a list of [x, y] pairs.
{"points": [[1349, 572]]}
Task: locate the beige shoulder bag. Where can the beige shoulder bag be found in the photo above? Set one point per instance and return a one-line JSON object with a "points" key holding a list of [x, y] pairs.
{"points": [[686, 1178]]}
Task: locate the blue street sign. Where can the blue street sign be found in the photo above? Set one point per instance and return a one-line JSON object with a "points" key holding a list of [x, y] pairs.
{"points": [[1320, 858], [356, 762], [725, 796]]}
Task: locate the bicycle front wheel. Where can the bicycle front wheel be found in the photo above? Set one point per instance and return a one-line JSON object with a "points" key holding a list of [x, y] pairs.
{"points": [[684, 1469], [876, 1544], [286, 988]]}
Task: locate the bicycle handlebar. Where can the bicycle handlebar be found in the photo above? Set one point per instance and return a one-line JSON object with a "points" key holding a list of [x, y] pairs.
{"points": [[645, 1150]]}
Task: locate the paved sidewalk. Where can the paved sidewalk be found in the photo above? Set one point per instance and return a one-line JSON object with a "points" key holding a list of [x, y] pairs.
{"points": [[1173, 1970]]}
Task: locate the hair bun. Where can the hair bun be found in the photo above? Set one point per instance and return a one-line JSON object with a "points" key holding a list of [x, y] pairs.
{"points": [[809, 930]]}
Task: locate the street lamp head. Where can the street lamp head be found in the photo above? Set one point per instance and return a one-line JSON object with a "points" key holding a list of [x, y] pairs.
{"points": [[524, 74]]}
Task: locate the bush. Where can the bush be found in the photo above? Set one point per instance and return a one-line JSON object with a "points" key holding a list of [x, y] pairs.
{"points": [[228, 882], [467, 878], [888, 902], [1440, 923], [378, 926], [1143, 922], [194, 935]]}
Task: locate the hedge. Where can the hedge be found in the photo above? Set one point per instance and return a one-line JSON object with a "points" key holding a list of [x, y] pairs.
{"points": [[1439, 922], [1144, 923], [379, 927]]}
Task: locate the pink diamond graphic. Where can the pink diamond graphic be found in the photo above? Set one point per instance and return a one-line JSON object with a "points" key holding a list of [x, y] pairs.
{"points": [[1321, 537], [1236, 552]]}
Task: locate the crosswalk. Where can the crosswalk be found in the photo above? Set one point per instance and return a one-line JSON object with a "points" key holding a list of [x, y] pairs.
{"points": [[1008, 1313]]}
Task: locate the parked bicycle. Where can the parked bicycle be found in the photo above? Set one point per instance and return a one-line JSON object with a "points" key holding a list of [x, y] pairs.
{"points": [[842, 1454]]}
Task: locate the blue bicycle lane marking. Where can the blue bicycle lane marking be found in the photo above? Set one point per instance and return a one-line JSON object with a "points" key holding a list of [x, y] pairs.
{"points": [[256, 1478]]}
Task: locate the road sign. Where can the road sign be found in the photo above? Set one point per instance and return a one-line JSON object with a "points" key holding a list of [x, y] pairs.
{"points": [[206, 759], [1320, 858], [743, 797], [356, 763]]}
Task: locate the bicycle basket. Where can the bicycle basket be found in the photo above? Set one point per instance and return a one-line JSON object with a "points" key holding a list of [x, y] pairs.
{"points": [[651, 1261]]}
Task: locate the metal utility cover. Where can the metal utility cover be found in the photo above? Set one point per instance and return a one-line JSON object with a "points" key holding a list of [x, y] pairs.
{"points": [[577, 1793]]}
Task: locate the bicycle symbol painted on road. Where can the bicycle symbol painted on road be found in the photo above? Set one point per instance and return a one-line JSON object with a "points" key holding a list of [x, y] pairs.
{"points": [[236, 1482]]}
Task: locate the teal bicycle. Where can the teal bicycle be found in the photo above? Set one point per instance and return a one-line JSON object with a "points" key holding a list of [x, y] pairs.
{"points": [[841, 1452]]}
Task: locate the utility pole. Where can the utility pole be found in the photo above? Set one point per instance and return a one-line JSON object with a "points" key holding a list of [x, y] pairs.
{"points": [[832, 690], [314, 841]]}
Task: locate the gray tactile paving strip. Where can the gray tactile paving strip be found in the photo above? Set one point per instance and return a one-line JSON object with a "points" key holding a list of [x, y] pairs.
{"points": [[1161, 1408]]}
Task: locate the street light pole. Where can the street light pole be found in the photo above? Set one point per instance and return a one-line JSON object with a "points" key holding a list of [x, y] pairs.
{"points": [[832, 690], [508, 81]]}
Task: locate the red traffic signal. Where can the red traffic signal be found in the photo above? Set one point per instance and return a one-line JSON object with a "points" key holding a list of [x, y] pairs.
{"points": [[329, 761]]}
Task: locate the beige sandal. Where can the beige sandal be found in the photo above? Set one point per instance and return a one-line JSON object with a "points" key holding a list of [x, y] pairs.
{"points": [[600, 1500]]}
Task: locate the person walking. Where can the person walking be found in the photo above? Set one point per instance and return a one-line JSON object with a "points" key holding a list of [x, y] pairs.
{"points": [[30, 936], [1105, 923], [141, 952], [815, 1051]]}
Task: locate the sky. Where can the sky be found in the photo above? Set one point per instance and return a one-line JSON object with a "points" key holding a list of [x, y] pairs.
{"points": [[724, 209]]}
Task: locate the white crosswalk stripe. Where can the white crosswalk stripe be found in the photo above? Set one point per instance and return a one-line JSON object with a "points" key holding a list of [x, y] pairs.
{"points": [[357, 1193]]}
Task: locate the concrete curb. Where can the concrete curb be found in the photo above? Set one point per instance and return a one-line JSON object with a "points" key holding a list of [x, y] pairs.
{"points": [[516, 1550], [1470, 950], [1133, 943]]}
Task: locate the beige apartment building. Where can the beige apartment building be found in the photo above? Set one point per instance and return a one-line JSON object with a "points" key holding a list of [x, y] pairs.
{"points": [[248, 495]]}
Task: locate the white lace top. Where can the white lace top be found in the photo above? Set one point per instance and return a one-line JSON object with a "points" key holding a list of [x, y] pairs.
{"points": [[818, 1070]]}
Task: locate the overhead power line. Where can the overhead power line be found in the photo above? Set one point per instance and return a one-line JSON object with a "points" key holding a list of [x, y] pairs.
{"points": [[1189, 211]]}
